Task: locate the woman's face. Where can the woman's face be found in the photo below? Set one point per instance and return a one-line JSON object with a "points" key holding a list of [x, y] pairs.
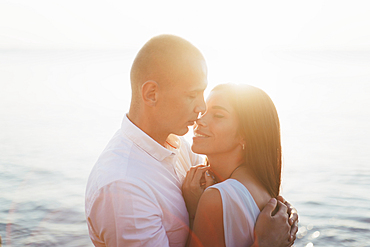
{"points": [[216, 132]]}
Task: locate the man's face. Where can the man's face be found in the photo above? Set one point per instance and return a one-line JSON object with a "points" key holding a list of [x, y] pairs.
{"points": [[181, 103]]}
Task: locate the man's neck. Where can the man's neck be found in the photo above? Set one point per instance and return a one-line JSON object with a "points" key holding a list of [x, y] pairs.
{"points": [[148, 127]]}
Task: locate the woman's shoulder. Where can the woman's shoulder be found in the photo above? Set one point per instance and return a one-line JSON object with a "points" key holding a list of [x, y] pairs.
{"points": [[208, 222], [257, 193], [233, 190], [211, 197], [210, 206]]}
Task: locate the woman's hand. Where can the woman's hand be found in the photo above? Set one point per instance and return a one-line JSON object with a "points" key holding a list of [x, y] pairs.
{"points": [[196, 181]]}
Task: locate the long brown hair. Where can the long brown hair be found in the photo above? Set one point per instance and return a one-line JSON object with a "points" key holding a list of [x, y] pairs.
{"points": [[259, 126]]}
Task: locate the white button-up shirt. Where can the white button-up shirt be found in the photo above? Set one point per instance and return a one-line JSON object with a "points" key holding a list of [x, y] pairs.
{"points": [[133, 195]]}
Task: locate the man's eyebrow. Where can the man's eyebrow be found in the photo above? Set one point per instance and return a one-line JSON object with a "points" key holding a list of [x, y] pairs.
{"points": [[197, 90], [217, 107]]}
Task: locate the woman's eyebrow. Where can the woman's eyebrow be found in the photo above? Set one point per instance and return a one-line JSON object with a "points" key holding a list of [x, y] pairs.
{"points": [[217, 107]]}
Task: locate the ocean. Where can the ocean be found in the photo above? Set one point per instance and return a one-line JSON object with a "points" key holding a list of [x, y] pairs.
{"points": [[59, 108]]}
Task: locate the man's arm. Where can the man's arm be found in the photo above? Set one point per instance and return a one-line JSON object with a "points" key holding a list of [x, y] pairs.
{"points": [[123, 214], [278, 229]]}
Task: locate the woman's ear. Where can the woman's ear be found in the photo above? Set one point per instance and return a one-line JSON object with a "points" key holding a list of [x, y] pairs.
{"points": [[149, 93]]}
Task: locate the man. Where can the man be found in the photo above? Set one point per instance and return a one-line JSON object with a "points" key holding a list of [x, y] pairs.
{"points": [[133, 195]]}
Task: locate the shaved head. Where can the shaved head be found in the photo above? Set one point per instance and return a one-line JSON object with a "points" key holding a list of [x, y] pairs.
{"points": [[168, 78], [163, 59]]}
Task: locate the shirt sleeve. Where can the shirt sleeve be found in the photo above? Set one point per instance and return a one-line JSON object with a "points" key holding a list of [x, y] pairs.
{"points": [[126, 214]]}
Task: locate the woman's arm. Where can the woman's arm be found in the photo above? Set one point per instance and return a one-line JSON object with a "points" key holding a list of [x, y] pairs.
{"points": [[208, 227]]}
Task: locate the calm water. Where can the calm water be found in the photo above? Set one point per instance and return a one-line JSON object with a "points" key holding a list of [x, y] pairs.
{"points": [[58, 109]]}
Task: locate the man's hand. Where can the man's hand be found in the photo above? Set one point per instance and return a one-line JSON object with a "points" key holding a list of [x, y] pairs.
{"points": [[293, 218], [195, 183], [273, 229]]}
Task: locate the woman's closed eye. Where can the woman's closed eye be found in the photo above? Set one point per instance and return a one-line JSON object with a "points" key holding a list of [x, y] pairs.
{"points": [[218, 115]]}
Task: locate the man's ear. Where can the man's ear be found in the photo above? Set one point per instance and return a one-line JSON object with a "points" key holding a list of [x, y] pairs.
{"points": [[149, 92]]}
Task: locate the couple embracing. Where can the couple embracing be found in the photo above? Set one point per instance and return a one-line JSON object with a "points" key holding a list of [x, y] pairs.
{"points": [[150, 188]]}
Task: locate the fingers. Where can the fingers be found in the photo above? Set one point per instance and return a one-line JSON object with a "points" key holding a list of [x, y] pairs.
{"points": [[192, 171], [280, 198], [199, 178], [199, 174], [190, 174], [293, 217], [293, 231], [194, 177], [270, 206], [289, 206], [282, 216], [283, 209], [291, 244], [209, 180], [293, 221], [292, 212]]}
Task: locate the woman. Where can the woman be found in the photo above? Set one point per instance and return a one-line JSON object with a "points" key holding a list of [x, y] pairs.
{"points": [[240, 134]]}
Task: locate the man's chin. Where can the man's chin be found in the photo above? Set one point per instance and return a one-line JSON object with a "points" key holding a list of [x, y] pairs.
{"points": [[182, 132], [196, 149]]}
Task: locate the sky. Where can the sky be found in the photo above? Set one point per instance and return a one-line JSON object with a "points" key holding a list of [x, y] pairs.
{"points": [[259, 42], [235, 26], [239, 39]]}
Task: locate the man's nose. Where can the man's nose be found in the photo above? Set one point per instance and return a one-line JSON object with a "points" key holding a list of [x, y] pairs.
{"points": [[201, 106]]}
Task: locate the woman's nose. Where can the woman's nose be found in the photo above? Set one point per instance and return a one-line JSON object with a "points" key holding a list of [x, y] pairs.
{"points": [[201, 121]]}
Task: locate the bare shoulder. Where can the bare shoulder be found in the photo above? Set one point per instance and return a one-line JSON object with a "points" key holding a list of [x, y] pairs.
{"points": [[210, 203], [211, 198], [208, 224], [258, 192]]}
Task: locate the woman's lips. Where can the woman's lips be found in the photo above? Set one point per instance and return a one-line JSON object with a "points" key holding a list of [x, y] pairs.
{"points": [[199, 134]]}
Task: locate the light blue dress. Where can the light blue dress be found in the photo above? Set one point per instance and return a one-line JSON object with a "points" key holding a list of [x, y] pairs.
{"points": [[240, 213]]}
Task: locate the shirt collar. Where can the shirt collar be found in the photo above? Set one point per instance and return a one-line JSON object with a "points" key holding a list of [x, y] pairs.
{"points": [[145, 142]]}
